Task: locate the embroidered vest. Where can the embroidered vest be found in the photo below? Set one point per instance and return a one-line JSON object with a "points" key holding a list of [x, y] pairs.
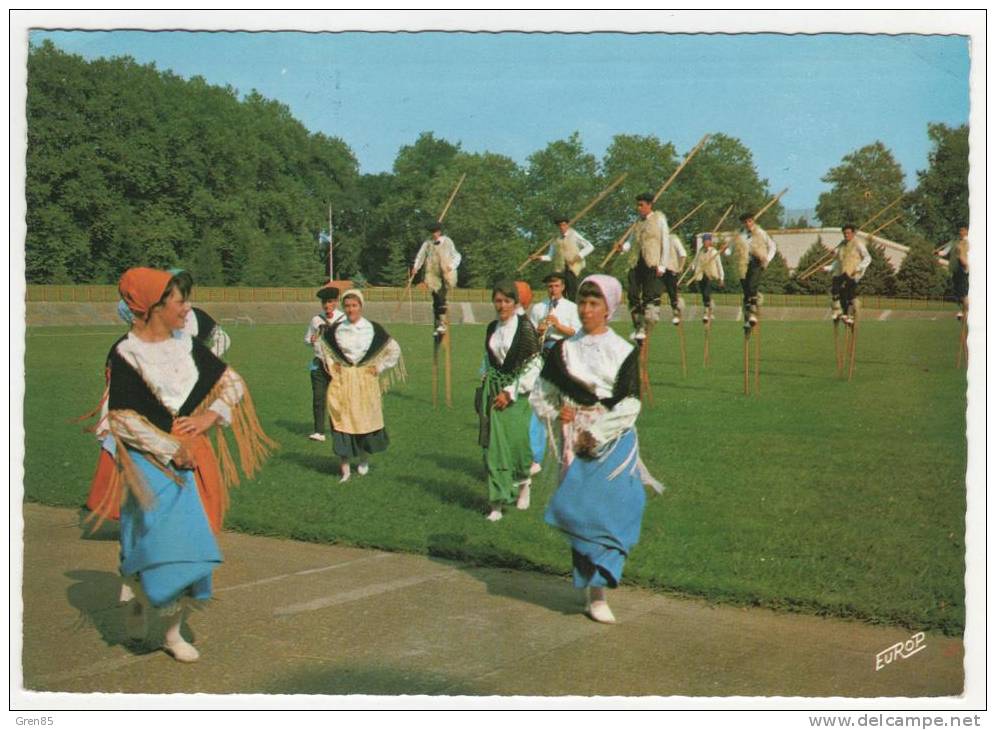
{"points": [[647, 236]]}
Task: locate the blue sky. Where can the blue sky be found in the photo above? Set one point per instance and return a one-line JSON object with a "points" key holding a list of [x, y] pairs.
{"points": [[800, 103]]}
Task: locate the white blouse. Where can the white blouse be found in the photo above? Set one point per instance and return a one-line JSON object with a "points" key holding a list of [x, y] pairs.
{"points": [[500, 343], [354, 339], [167, 368], [594, 360]]}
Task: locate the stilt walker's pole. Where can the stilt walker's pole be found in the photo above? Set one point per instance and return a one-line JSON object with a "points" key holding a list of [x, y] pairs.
{"points": [[681, 341], [331, 277]]}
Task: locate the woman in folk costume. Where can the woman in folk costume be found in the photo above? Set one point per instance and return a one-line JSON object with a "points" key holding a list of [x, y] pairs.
{"points": [[355, 353], [165, 391], [590, 383], [512, 362], [200, 326]]}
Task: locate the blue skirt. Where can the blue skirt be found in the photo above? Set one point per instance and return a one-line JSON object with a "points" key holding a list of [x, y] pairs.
{"points": [[599, 505], [170, 547]]}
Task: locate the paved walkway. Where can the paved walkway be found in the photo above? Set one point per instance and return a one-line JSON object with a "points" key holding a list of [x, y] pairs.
{"points": [[299, 618]]}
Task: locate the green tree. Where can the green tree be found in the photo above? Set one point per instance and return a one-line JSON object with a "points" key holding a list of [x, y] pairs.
{"points": [[819, 281], [920, 275], [866, 181], [775, 279], [880, 277], [939, 205], [395, 271]]}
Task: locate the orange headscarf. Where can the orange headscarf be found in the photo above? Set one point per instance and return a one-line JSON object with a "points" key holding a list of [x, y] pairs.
{"points": [[525, 294], [142, 288]]}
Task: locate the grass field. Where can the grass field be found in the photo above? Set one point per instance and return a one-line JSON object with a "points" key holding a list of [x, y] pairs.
{"points": [[817, 495]]}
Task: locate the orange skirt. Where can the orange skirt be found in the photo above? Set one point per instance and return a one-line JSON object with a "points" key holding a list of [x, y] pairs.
{"points": [[207, 475]]}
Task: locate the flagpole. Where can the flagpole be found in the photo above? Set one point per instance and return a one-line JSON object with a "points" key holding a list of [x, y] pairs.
{"points": [[331, 277]]}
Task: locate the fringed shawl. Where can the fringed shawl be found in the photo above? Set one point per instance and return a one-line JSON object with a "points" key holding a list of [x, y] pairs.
{"points": [[128, 393], [525, 346], [627, 380]]}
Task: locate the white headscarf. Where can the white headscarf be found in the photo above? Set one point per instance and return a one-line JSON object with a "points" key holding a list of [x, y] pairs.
{"points": [[610, 287]]}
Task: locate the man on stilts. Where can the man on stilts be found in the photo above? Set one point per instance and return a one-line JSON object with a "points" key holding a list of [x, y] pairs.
{"points": [[708, 270], [851, 259], [441, 260], [653, 255], [754, 249], [959, 269], [567, 253]]}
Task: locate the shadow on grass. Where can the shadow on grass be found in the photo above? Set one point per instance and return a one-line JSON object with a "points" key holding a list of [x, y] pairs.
{"points": [[323, 463], [338, 679], [505, 573], [95, 596], [297, 427], [452, 492]]}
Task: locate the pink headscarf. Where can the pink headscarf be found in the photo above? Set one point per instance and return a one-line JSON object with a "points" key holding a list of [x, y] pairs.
{"points": [[610, 287]]}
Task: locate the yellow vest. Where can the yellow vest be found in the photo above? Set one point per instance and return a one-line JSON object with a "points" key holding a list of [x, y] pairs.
{"points": [[567, 254], [849, 256], [758, 247], [707, 263], [647, 236]]}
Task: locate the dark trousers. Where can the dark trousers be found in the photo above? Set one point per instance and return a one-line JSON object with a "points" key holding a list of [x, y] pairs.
{"points": [[705, 287], [843, 288], [319, 386], [570, 285], [960, 280], [750, 283], [670, 281], [644, 287], [439, 302]]}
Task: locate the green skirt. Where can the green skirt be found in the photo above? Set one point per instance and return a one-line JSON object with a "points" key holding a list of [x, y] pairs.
{"points": [[507, 453]]}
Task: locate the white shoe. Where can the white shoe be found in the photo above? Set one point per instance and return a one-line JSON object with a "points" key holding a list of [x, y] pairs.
{"points": [[535, 469], [752, 320], [440, 329], [317, 437], [344, 476], [676, 320], [127, 594], [494, 515], [959, 316], [363, 468], [523, 501], [182, 651], [600, 611], [638, 335]]}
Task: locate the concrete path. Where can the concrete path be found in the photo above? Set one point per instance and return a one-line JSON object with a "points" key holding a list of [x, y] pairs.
{"points": [[299, 618]]}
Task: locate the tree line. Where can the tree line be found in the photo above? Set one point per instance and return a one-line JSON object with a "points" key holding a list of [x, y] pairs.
{"points": [[130, 165]]}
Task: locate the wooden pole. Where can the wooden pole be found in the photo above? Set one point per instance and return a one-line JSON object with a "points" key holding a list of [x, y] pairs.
{"points": [[769, 204], [618, 244], [577, 216], [963, 340], [687, 215], [645, 390], [331, 276], [874, 217], [837, 354]]}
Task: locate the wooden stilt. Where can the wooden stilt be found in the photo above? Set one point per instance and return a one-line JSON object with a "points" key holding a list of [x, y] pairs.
{"points": [[963, 340], [705, 350], [837, 352], [646, 394], [757, 356], [435, 370], [747, 361], [681, 341], [447, 365], [853, 347]]}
